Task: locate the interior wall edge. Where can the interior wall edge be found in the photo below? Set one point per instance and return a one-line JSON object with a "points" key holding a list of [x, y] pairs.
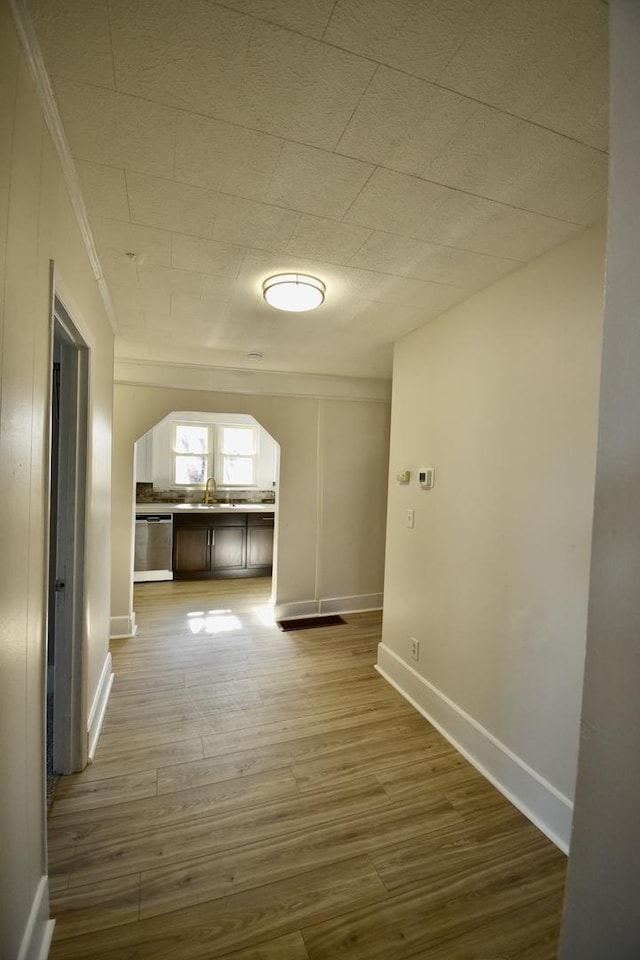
{"points": [[99, 706], [534, 796], [122, 628], [38, 931]]}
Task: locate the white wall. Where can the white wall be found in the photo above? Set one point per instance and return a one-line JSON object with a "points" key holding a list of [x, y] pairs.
{"points": [[331, 497], [37, 224], [159, 442], [500, 396], [601, 907]]}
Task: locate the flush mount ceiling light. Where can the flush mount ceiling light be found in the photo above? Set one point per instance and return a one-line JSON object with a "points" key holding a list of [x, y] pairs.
{"points": [[293, 291]]}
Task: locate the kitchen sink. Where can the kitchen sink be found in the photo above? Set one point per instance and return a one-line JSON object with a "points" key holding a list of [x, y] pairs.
{"points": [[208, 506]]}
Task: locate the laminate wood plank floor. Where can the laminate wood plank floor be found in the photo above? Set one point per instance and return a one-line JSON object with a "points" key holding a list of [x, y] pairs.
{"points": [[259, 795]]}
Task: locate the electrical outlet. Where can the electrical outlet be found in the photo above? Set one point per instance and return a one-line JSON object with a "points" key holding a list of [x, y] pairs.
{"points": [[415, 648]]}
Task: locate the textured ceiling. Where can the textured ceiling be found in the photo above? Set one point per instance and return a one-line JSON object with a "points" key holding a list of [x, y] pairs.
{"points": [[408, 152]]}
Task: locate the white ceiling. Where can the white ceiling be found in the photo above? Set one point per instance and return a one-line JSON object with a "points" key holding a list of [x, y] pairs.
{"points": [[408, 152]]}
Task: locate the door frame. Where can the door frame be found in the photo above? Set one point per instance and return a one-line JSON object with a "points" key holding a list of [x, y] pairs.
{"points": [[66, 524]]}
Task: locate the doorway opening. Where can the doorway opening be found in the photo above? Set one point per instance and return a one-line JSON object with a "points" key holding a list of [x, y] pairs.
{"points": [[211, 480], [65, 744]]}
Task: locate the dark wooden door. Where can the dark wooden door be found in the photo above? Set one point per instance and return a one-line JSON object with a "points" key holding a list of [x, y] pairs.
{"points": [[192, 550], [260, 546], [228, 547]]}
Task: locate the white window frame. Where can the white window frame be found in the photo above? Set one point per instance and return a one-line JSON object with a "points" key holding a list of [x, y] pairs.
{"points": [[210, 454], [221, 454], [215, 454]]}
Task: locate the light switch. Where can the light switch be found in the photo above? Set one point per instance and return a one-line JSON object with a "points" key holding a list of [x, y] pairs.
{"points": [[410, 516]]}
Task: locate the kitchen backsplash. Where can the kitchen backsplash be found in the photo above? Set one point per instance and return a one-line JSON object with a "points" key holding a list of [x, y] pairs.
{"points": [[146, 493]]}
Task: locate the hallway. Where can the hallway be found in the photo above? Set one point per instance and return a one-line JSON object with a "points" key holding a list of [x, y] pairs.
{"points": [[260, 795]]}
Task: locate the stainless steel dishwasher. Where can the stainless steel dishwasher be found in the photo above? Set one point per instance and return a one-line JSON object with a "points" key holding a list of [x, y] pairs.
{"points": [[153, 547]]}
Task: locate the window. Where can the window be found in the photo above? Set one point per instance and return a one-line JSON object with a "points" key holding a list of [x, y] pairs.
{"points": [[237, 455], [190, 453], [232, 460]]}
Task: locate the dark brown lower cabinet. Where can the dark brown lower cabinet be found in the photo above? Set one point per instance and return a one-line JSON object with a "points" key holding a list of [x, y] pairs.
{"points": [[259, 541], [222, 545]]}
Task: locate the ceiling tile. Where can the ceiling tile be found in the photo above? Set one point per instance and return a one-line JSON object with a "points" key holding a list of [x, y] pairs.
{"points": [[74, 38], [184, 57], [382, 323], [416, 37], [398, 203], [222, 287], [129, 318], [326, 240], [428, 261], [191, 22], [307, 18], [172, 206], [169, 280], [394, 202], [210, 153], [138, 308], [206, 256], [316, 181], [116, 266], [508, 232], [184, 328], [115, 129], [510, 160], [520, 52], [252, 224], [150, 246], [414, 294], [580, 107], [150, 301], [591, 210], [187, 309], [104, 190], [403, 123], [298, 88]]}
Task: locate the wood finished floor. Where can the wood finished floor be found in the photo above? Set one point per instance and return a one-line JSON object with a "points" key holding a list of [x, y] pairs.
{"points": [[259, 795]]}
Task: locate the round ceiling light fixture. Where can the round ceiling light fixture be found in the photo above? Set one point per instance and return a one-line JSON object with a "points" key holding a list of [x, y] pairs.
{"points": [[293, 291]]}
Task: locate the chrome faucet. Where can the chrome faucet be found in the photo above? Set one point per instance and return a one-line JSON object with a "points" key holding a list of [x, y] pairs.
{"points": [[207, 493]]}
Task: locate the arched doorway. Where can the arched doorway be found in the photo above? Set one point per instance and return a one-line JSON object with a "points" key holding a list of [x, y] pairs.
{"points": [[206, 488]]}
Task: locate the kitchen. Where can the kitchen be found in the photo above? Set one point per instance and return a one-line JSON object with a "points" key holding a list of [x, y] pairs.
{"points": [[205, 498]]}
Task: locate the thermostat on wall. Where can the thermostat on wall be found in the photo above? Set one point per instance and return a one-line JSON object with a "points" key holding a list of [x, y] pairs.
{"points": [[426, 477]]}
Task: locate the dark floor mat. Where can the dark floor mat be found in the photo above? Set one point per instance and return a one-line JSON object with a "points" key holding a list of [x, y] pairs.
{"points": [[308, 623]]}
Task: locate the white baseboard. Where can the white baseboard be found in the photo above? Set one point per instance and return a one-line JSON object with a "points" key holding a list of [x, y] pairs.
{"points": [[123, 627], [38, 931], [151, 576], [99, 706], [303, 608], [534, 796], [310, 608], [359, 604]]}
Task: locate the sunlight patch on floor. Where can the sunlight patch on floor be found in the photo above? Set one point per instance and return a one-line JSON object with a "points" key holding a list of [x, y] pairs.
{"points": [[214, 621]]}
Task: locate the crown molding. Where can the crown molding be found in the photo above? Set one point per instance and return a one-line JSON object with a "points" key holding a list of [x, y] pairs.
{"points": [[44, 92], [185, 376]]}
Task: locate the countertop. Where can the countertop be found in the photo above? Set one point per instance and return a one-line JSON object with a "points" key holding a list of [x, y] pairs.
{"points": [[143, 509]]}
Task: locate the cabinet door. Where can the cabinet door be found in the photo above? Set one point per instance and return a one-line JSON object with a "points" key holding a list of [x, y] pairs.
{"points": [[260, 545], [228, 549], [191, 549]]}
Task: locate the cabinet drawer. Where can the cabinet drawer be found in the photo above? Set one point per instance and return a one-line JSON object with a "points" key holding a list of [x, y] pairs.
{"points": [[260, 519], [210, 519]]}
